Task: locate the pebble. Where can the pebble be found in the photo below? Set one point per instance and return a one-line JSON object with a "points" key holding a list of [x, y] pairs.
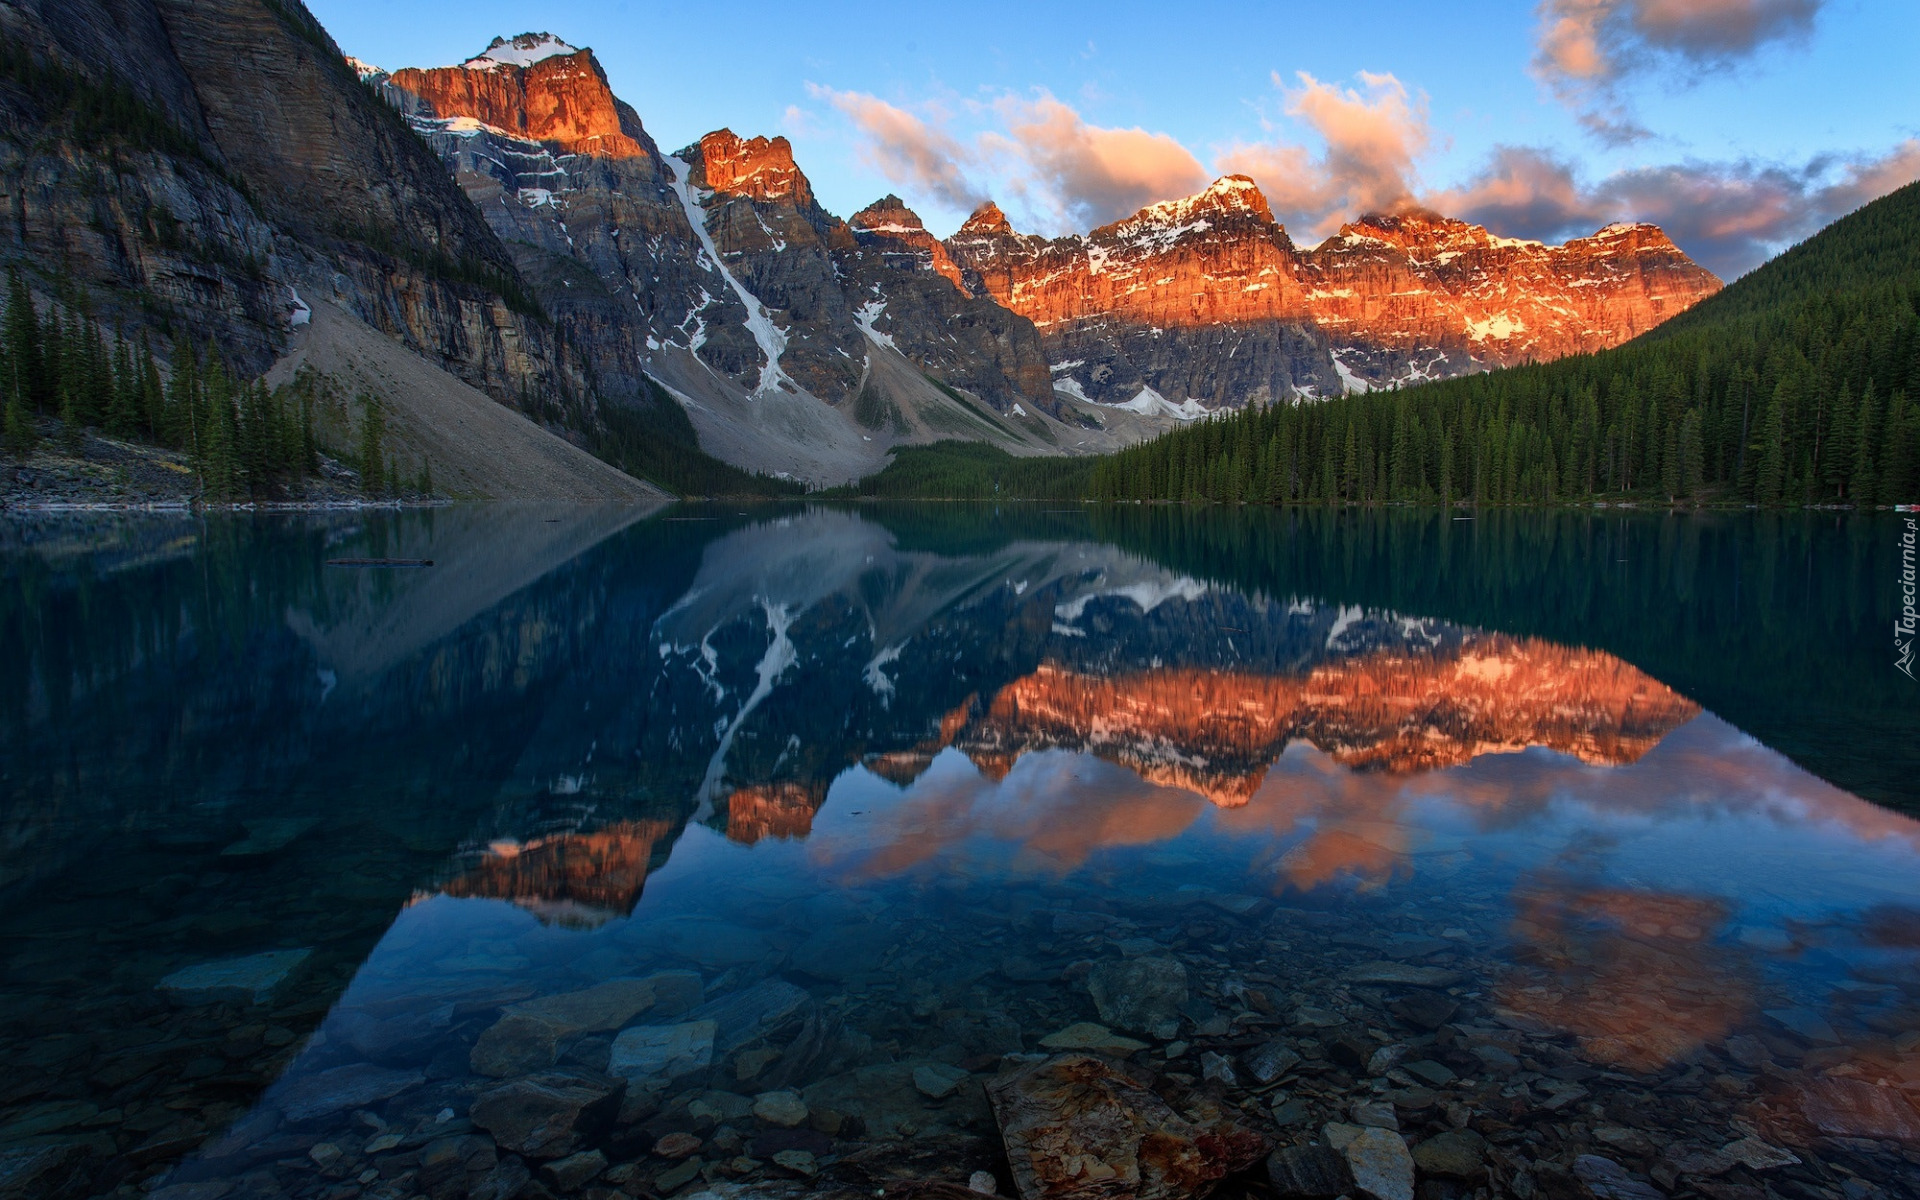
{"points": [[676, 1145], [800, 1162], [784, 1108], [983, 1183], [1382, 1168]]}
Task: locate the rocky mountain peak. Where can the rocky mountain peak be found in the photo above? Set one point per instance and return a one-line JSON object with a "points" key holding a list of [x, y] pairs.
{"points": [[889, 225], [522, 51], [987, 219], [1227, 194], [759, 168], [535, 87], [889, 214]]}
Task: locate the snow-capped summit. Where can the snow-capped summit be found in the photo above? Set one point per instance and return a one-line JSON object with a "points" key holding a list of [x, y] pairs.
{"points": [[365, 70], [522, 51]]}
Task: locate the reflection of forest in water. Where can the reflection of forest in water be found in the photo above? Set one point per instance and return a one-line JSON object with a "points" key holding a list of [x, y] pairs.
{"points": [[213, 742]]}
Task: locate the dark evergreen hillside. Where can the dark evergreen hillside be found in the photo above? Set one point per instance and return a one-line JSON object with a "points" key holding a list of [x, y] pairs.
{"points": [[1792, 386]]}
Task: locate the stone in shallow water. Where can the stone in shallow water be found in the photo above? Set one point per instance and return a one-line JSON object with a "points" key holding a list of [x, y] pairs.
{"points": [[1757, 1155], [1428, 1010], [1309, 1173], [1382, 1168], [1806, 1023], [983, 1183], [575, 1171], [529, 1036], [1456, 1154], [1269, 1062], [49, 1169], [1382, 971], [1853, 1108], [785, 1108], [1217, 1068], [547, 1116], [1375, 1114], [1075, 1127], [309, 1097], [1608, 1180], [1428, 1071], [1140, 994], [653, 1055], [676, 1145], [249, 980], [890, 1105], [1085, 1035], [745, 1015], [800, 1162], [937, 1081]]}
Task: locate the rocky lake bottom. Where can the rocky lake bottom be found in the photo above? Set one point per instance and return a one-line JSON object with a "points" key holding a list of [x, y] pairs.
{"points": [[1042, 870]]}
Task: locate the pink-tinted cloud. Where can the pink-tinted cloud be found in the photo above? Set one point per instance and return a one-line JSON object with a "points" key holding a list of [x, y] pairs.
{"points": [[1729, 216], [1584, 47], [907, 150], [1082, 174], [1372, 137]]}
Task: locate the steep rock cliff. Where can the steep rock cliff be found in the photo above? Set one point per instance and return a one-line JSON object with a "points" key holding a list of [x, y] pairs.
{"points": [[245, 163]]}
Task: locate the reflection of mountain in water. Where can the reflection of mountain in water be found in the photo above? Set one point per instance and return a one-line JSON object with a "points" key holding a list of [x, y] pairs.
{"points": [[810, 644], [1215, 732]]}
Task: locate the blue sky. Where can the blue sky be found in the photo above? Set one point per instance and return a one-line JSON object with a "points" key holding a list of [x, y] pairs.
{"points": [[1739, 125]]}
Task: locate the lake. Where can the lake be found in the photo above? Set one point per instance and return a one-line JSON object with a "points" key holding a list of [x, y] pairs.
{"points": [[933, 851]]}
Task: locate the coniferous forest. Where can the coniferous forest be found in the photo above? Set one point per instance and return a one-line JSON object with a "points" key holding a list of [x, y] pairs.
{"points": [[1798, 384]]}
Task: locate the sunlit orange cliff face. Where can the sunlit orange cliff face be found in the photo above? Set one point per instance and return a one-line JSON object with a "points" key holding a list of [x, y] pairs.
{"points": [[1215, 732], [562, 99]]}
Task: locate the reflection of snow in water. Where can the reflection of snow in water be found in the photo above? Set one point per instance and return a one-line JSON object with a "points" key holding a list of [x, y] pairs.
{"points": [[774, 663]]}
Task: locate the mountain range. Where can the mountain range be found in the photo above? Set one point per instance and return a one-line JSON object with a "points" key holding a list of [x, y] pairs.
{"points": [[511, 221]]}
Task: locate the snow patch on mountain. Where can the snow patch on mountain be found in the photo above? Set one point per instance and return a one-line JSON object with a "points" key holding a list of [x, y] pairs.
{"points": [[866, 315], [771, 339], [1148, 402], [522, 51]]}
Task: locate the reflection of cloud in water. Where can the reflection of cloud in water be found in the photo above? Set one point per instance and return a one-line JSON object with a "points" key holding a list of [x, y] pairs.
{"points": [[1634, 976]]}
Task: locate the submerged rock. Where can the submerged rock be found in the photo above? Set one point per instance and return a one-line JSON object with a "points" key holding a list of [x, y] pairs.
{"points": [[1309, 1173], [530, 1036], [1843, 1107], [656, 1055], [1382, 971], [547, 1116], [785, 1108], [310, 1097], [1269, 1062], [1140, 994], [1085, 1035], [1382, 1168], [252, 979], [1608, 1180], [1073, 1126], [740, 1017], [1456, 1154]]}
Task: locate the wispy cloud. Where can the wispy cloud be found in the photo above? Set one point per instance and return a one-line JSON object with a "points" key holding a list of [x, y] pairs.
{"points": [[1081, 174], [1584, 48], [1371, 137], [1729, 216], [906, 149]]}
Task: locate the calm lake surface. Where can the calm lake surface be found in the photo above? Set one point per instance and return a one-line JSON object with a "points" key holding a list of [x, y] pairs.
{"points": [[780, 851]]}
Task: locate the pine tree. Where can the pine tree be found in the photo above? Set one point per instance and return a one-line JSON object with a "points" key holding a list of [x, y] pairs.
{"points": [[1771, 477], [25, 347]]}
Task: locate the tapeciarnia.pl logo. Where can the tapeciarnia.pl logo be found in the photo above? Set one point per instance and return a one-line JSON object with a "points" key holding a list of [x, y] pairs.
{"points": [[1903, 629]]}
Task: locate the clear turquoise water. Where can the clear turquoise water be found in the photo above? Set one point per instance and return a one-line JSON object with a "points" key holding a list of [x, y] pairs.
{"points": [[1626, 792]]}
